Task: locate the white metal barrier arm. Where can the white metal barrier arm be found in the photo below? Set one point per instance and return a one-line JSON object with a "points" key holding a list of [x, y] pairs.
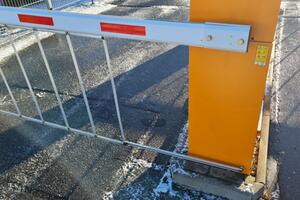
{"points": [[209, 35], [216, 36]]}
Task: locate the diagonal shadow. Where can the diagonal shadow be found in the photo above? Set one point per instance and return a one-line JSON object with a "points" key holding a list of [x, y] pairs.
{"points": [[19, 141]]}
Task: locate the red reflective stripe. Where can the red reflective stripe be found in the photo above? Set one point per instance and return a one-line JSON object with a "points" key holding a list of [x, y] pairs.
{"points": [[36, 19], [123, 29]]}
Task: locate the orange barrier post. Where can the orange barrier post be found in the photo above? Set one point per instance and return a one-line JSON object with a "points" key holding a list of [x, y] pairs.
{"points": [[226, 89]]}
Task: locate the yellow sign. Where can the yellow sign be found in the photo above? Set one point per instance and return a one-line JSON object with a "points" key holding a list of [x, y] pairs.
{"points": [[262, 55]]}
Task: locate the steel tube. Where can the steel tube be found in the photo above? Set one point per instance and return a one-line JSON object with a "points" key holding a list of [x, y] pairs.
{"points": [[49, 4], [10, 92], [80, 82], [51, 79], [26, 79], [185, 157], [113, 85], [61, 127], [132, 144]]}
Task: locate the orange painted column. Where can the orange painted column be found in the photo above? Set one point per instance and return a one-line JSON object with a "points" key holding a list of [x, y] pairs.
{"points": [[226, 89]]}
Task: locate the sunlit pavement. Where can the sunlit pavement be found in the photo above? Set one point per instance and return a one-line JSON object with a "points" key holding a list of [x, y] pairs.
{"points": [[39, 162]]}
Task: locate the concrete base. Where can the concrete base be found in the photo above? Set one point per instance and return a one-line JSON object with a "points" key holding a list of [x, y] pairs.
{"points": [[272, 177], [221, 183]]}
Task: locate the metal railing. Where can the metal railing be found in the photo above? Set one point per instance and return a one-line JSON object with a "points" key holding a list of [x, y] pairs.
{"points": [[217, 36], [37, 4]]}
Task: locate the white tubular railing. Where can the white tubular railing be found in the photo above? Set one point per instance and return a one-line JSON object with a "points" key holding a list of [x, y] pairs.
{"points": [[36, 4], [209, 35]]}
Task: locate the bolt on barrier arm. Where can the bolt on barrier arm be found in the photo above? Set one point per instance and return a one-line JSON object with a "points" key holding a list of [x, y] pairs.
{"points": [[209, 35]]}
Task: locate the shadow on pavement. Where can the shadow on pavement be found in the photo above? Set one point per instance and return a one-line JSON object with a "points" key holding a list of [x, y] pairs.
{"points": [[152, 98]]}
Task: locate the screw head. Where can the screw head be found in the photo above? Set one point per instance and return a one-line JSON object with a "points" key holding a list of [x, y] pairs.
{"points": [[209, 38], [241, 41]]}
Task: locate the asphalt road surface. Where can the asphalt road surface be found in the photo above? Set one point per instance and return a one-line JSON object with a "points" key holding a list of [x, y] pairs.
{"points": [[285, 133], [44, 163]]}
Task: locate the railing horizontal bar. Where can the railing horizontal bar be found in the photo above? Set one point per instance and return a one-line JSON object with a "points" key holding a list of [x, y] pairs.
{"points": [[132, 144], [53, 31], [61, 127], [185, 157], [230, 37]]}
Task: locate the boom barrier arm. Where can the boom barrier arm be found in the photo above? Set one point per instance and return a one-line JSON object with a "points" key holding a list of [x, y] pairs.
{"points": [[229, 37]]}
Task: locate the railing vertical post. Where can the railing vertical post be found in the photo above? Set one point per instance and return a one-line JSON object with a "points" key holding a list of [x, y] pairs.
{"points": [[49, 4], [71, 48], [52, 80], [114, 89], [26, 78]]}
